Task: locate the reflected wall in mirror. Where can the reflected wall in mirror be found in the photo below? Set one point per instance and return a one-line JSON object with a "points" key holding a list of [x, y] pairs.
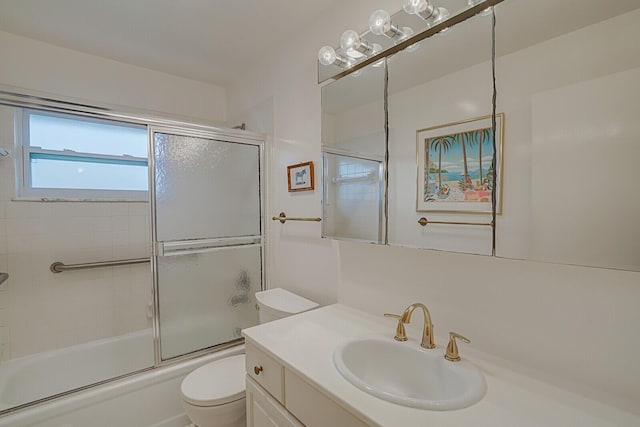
{"points": [[568, 76], [440, 141], [353, 145]]}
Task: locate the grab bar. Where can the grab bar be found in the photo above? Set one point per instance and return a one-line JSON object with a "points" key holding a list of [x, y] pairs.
{"points": [[59, 267], [3, 277], [283, 218]]}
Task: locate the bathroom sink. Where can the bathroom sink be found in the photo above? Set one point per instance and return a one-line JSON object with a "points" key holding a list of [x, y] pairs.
{"points": [[405, 373]]}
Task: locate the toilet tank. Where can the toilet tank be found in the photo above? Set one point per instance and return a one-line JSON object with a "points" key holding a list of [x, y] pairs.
{"points": [[278, 303]]}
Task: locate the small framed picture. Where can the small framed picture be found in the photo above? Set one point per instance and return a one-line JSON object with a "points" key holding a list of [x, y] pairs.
{"points": [[300, 177]]}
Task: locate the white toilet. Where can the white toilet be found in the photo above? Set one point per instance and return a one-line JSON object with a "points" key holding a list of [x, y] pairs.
{"points": [[214, 394]]}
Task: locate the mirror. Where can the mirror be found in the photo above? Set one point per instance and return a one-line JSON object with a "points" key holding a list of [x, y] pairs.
{"points": [[440, 141], [353, 150], [568, 76], [567, 92]]}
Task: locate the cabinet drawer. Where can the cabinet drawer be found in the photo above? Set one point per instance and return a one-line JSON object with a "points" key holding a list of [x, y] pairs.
{"points": [[265, 370], [313, 408]]}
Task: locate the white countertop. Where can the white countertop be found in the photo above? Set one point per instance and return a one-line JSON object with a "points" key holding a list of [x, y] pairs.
{"points": [[305, 343]]}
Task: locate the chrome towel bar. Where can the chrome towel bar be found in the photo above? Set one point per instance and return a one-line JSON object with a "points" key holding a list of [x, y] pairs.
{"points": [[282, 217], [59, 267], [424, 222]]}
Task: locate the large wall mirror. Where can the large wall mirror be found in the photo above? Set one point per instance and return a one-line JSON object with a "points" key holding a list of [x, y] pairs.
{"points": [[567, 137]]}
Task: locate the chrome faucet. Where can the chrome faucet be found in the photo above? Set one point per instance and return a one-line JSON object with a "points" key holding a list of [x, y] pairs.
{"points": [[427, 331]]}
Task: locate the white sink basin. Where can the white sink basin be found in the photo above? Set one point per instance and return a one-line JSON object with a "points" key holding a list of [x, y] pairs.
{"points": [[405, 373]]}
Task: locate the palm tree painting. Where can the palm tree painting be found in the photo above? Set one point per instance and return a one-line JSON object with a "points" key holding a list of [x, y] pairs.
{"points": [[456, 166]]}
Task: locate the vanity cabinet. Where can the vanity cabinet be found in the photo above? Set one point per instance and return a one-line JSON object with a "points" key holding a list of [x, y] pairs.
{"points": [[277, 397]]}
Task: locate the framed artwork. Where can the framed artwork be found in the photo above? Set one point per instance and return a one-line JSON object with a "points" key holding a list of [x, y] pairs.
{"points": [[300, 177], [455, 166]]}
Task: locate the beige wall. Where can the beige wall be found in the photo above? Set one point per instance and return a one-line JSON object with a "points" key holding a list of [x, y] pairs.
{"points": [[573, 326]]}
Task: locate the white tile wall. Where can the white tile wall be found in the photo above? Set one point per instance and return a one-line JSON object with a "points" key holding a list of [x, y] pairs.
{"points": [[39, 310]]}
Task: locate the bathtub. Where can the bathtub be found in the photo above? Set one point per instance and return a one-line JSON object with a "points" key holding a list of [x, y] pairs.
{"points": [[149, 398]]}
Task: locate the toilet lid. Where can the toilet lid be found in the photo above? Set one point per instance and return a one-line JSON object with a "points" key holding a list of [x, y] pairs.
{"points": [[284, 301], [216, 383]]}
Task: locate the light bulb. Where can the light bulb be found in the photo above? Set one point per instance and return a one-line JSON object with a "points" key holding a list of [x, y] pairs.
{"points": [[422, 8], [413, 7], [443, 14], [354, 45], [349, 40], [326, 55], [380, 22]]}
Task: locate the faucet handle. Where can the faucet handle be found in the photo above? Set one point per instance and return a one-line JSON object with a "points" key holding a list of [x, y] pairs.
{"points": [[452, 349], [401, 334]]}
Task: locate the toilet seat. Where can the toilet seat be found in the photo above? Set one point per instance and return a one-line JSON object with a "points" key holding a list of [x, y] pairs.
{"points": [[216, 383]]}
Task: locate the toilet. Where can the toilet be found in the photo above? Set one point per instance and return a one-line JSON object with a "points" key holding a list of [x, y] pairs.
{"points": [[214, 394]]}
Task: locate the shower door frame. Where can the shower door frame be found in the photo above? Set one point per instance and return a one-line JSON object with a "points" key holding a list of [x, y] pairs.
{"points": [[211, 134]]}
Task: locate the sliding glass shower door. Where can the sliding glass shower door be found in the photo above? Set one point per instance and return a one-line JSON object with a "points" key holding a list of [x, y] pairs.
{"points": [[207, 239]]}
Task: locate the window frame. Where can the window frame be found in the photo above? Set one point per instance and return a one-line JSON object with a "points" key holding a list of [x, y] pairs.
{"points": [[24, 150]]}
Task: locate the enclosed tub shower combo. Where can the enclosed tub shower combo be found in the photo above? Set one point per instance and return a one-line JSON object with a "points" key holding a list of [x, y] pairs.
{"points": [[170, 290]]}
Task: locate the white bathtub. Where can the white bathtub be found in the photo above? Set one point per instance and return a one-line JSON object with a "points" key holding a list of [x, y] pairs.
{"points": [[150, 398]]}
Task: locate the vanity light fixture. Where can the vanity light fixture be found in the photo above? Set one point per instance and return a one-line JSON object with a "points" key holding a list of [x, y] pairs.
{"points": [[380, 24], [354, 47], [485, 12], [327, 56]]}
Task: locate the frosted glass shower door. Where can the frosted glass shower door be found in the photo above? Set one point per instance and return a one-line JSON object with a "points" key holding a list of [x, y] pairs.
{"points": [[207, 240]]}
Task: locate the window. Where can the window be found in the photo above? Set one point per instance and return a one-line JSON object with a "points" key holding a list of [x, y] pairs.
{"points": [[68, 156]]}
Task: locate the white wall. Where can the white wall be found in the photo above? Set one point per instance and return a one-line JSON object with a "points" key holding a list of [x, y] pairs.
{"points": [[573, 326], [43, 67], [40, 311], [298, 259]]}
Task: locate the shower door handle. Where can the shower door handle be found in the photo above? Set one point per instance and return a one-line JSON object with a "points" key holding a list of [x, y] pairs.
{"points": [[186, 247]]}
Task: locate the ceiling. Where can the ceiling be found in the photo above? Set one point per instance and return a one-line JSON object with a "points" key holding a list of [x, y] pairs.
{"points": [[206, 40]]}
